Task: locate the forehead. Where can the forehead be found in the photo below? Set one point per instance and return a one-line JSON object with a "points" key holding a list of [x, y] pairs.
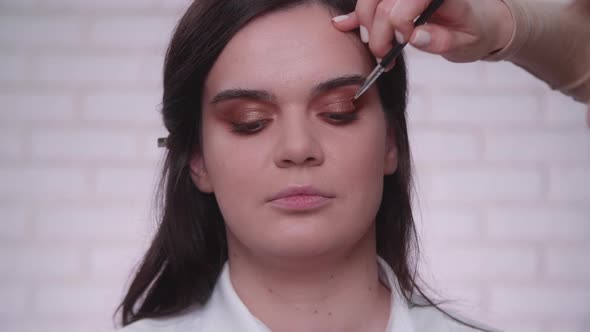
{"points": [[287, 52]]}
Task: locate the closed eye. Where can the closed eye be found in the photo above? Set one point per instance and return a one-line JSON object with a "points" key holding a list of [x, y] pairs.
{"points": [[341, 118], [249, 128]]}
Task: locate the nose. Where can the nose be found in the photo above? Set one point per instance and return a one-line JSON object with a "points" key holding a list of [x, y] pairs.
{"points": [[298, 145]]}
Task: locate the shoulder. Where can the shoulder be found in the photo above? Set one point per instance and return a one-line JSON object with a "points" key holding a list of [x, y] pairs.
{"points": [[429, 319], [189, 320]]}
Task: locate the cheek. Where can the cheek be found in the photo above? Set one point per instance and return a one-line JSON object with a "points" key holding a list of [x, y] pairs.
{"points": [[234, 170], [363, 154], [229, 164], [360, 167]]}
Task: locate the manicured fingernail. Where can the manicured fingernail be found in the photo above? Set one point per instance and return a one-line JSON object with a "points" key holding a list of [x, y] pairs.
{"points": [[421, 38], [340, 18], [400, 37], [364, 34]]}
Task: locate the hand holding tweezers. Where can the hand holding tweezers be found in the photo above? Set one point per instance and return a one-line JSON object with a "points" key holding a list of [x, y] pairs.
{"points": [[396, 50]]}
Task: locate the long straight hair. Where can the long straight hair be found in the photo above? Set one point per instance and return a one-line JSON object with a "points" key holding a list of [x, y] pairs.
{"points": [[188, 251]]}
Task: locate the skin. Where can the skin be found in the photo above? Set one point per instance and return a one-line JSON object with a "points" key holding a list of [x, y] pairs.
{"points": [[312, 271], [460, 30]]}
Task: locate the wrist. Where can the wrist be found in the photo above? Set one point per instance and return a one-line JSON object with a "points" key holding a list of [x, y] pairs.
{"points": [[504, 25]]}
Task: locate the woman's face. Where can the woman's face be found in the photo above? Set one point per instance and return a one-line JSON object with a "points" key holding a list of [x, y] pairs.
{"points": [[278, 121]]}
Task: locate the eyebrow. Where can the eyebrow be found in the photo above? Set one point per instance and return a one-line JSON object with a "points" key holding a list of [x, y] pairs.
{"points": [[265, 95]]}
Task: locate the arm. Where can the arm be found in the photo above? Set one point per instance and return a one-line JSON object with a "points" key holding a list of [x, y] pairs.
{"points": [[552, 42]]}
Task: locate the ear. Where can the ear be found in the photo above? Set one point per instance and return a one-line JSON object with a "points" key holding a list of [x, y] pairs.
{"points": [[390, 163], [199, 174]]}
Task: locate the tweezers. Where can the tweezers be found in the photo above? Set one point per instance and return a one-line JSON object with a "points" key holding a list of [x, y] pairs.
{"points": [[396, 50]]}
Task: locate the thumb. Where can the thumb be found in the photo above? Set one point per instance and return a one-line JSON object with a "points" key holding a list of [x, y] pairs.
{"points": [[453, 45], [346, 22]]}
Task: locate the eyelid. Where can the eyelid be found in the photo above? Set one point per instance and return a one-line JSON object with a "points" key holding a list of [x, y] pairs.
{"points": [[344, 105], [337, 96], [243, 113]]}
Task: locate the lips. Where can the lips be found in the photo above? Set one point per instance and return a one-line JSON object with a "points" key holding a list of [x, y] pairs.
{"points": [[300, 191], [300, 198]]}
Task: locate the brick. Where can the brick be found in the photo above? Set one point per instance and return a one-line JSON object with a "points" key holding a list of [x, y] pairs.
{"points": [[32, 31], [538, 223], [42, 182], [570, 184], [557, 302], [133, 32], [74, 86], [36, 107], [90, 223], [31, 262], [483, 185], [176, 4], [436, 71], [14, 219], [523, 326], [564, 110], [568, 264], [86, 69], [564, 325], [15, 297], [103, 4], [449, 223], [439, 145], [506, 74], [483, 109], [418, 109], [539, 145], [18, 3], [11, 144], [84, 144], [114, 263], [477, 263], [130, 108], [86, 324], [12, 67], [152, 70], [126, 183], [75, 301]]}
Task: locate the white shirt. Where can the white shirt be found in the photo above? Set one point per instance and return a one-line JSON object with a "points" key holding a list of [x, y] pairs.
{"points": [[225, 312]]}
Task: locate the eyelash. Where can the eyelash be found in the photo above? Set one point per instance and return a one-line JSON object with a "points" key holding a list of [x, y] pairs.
{"points": [[341, 118], [336, 118], [245, 128]]}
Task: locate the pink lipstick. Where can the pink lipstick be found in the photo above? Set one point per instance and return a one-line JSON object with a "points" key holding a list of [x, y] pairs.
{"points": [[300, 198]]}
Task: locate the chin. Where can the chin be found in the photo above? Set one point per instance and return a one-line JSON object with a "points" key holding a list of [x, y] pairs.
{"points": [[307, 241]]}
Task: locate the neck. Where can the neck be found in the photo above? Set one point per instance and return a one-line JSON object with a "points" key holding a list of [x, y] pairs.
{"points": [[336, 292]]}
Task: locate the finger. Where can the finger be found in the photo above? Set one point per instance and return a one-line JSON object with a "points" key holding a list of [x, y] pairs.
{"points": [[402, 17], [434, 38], [346, 22], [382, 33], [365, 10], [454, 45]]}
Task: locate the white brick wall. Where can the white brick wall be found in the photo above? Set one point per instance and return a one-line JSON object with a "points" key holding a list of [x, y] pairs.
{"points": [[502, 163]]}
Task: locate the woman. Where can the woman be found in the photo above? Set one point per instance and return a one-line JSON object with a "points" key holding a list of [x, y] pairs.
{"points": [[285, 206]]}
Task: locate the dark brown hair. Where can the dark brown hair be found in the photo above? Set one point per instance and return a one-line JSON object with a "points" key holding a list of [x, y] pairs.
{"points": [[188, 250]]}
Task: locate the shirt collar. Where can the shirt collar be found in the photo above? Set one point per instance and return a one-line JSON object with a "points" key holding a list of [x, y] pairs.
{"points": [[226, 312]]}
